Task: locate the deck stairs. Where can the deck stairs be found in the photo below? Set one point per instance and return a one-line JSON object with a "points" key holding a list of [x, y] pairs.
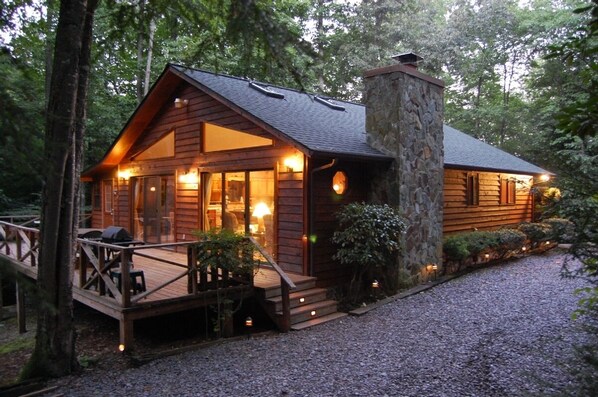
{"points": [[309, 304]]}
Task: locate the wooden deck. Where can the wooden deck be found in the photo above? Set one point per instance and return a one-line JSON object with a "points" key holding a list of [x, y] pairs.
{"points": [[173, 282]]}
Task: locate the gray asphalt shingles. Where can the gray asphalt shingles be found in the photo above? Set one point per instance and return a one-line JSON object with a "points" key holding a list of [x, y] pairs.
{"points": [[322, 129]]}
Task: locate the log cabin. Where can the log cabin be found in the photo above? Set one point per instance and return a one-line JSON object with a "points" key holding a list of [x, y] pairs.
{"points": [[205, 150]]}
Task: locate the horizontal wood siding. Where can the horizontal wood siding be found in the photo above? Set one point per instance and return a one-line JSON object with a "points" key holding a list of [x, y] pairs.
{"points": [[326, 203], [490, 213], [187, 124], [290, 221]]}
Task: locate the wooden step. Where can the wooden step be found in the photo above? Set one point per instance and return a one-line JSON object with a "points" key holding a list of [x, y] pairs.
{"points": [[273, 291], [304, 313], [311, 295], [317, 321]]}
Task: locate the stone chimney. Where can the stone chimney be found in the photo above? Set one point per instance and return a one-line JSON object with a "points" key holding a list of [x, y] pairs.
{"points": [[404, 118]]}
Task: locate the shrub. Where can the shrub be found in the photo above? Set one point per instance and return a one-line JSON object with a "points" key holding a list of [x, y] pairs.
{"points": [[536, 232], [368, 237], [510, 239], [480, 241], [224, 249], [455, 248], [563, 230]]}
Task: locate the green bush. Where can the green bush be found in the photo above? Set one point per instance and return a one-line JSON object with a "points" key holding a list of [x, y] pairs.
{"points": [[563, 230], [455, 248], [480, 241], [368, 238], [224, 249], [536, 232], [510, 239]]}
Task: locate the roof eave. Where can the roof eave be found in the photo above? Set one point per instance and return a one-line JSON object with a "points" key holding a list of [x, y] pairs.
{"points": [[490, 169]]}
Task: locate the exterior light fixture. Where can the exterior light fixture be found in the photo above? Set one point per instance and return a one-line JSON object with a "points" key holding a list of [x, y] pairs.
{"points": [[189, 178], [545, 178], [487, 256], [180, 103], [375, 284], [339, 182], [293, 163], [313, 313], [125, 175], [301, 300], [523, 249], [249, 322], [548, 243], [121, 347], [434, 267]]}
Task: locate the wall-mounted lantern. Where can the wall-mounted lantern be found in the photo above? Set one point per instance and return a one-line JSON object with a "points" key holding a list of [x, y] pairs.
{"points": [[293, 163], [189, 178], [339, 182], [124, 175]]}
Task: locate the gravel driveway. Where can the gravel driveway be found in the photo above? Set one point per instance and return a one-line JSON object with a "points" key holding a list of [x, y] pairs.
{"points": [[501, 331]]}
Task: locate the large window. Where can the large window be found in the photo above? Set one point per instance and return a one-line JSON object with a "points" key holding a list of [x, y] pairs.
{"points": [[242, 202], [473, 189], [216, 138], [162, 148]]}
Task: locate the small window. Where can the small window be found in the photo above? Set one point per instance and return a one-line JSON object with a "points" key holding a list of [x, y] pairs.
{"points": [[216, 138], [107, 196], [96, 197], [339, 182], [508, 191], [473, 189]]}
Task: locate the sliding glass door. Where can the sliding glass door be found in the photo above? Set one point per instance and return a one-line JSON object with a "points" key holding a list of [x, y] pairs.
{"points": [[242, 202], [153, 209]]}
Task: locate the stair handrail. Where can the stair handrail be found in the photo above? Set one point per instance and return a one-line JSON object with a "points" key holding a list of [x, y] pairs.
{"points": [[286, 284]]}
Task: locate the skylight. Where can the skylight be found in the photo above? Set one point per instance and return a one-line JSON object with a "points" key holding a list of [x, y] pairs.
{"points": [[266, 90], [327, 102]]}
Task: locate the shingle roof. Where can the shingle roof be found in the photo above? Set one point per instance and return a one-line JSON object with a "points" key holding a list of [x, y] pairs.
{"points": [[322, 129]]}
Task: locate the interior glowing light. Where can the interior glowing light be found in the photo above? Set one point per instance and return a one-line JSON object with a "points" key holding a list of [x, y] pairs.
{"points": [[301, 300], [152, 189], [313, 313]]}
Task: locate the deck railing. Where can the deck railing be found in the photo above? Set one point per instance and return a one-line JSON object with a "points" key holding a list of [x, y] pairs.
{"points": [[96, 260]]}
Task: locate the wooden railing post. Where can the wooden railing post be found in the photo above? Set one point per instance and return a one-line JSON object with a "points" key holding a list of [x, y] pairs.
{"points": [[19, 241], [21, 309], [33, 242], [125, 277], [192, 266], [101, 264], [82, 265], [285, 325]]}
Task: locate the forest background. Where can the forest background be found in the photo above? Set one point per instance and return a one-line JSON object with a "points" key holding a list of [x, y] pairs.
{"points": [[491, 54]]}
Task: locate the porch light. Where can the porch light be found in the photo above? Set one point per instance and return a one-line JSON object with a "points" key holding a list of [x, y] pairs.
{"points": [[249, 322], [375, 284], [339, 182], [545, 178], [180, 103], [121, 347], [293, 163], [125, 175], [189, 177]]}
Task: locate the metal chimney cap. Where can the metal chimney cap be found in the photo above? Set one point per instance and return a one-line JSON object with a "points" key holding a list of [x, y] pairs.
{"points": [[408, 58]]}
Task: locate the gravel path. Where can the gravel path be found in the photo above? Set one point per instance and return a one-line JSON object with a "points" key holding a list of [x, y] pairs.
{"points": [[500, 331]]}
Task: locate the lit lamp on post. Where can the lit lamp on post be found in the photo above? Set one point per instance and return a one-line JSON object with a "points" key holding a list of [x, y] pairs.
{"points": [[261, 210]]}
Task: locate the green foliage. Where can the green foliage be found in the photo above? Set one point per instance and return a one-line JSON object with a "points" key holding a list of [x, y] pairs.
{"points": [[455, 248], [536, 232], [369, 239], [368, 235], [563, 230], [224, 249]]}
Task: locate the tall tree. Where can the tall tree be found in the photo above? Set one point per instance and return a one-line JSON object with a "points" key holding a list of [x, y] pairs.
{"points": [[54, 353]]}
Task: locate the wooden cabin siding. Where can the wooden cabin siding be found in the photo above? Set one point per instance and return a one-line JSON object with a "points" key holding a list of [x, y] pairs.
{"points": [[291, 248], [187, 125], [490, 213], [326, 203]]}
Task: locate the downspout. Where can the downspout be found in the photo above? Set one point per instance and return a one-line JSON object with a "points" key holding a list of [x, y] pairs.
{"points": [[311, 211]]}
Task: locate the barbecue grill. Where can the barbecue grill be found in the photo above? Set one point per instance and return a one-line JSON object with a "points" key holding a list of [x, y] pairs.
{"points": [[116, 235]]}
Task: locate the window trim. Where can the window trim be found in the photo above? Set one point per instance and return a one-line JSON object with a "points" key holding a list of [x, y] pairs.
{"points": [[508, 191]]}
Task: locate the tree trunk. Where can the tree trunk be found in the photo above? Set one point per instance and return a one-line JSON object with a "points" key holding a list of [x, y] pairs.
{"points": [[140, 47], [148, 64], [54, 353]]}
